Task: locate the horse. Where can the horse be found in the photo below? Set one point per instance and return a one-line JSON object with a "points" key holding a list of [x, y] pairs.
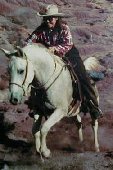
{"points": [[34, 61]]}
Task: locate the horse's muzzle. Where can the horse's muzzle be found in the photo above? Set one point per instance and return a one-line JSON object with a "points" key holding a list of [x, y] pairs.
{"points": [[14, 99]]}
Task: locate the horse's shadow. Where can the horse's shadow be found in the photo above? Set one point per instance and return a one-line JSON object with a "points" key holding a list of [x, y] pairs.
{"points": [[5, 128]]}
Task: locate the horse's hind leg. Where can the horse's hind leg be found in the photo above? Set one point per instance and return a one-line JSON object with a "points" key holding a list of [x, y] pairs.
{"points": [[57, 115], [95, 129], [79, 126], [36, 130]]}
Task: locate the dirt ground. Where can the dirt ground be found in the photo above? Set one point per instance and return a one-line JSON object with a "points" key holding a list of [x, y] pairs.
{"points": [[63, 161]]}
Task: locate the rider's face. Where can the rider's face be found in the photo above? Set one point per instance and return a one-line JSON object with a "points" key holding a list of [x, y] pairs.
{"points": [[51, 21]]}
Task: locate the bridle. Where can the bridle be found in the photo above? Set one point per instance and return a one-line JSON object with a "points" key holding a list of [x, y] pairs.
{"points": [[19, 86], [23, 84]]}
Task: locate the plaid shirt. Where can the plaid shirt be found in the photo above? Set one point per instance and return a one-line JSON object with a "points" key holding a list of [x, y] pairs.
{"points": [[61, 40]]}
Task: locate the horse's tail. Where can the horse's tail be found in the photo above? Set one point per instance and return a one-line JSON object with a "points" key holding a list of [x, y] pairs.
{"points": [[92, 63], [94, 68]]}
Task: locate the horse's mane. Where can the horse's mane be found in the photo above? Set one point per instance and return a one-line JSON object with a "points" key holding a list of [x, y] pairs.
{"points": [[38, 44]]}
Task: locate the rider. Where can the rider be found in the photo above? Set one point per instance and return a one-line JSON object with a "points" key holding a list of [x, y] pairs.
{"points": [[55, 34]]}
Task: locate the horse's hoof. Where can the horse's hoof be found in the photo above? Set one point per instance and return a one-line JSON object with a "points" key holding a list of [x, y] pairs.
{"points": [[97, 150], [38, 149], [46, 153]]}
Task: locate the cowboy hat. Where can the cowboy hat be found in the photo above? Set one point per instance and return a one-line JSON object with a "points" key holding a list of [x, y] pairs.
{"points": [[50, 10]]}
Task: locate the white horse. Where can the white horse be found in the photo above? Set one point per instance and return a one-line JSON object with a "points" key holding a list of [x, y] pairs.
{"points": [[35, 61]]}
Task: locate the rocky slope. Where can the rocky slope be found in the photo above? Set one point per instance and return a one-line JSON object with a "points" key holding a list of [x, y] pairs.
{"points": [[91, 23]]}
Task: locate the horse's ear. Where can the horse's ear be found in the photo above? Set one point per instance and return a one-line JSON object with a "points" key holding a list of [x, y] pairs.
{"points": [[19, 51], [7, 53]]}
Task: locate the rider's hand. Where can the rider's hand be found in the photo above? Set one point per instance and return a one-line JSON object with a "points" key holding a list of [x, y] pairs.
{"points": [[52, 49]]}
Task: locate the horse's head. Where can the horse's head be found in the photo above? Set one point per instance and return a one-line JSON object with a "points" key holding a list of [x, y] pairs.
{"points": [[21, 75]]}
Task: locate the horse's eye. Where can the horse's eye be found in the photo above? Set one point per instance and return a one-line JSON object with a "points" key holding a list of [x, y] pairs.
{"points": [[20, 71]]}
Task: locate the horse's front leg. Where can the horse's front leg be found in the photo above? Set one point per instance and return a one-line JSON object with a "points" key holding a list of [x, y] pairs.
{"points": [[36, 130], [95, 129], [57, 115], [79, 126]]}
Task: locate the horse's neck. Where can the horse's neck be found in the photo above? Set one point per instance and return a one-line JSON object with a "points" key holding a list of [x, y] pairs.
{"points": [[43, 63]]}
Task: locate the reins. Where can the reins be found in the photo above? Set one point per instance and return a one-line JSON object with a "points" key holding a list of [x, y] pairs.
{"points": [[55, 78], [42, 86]]}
